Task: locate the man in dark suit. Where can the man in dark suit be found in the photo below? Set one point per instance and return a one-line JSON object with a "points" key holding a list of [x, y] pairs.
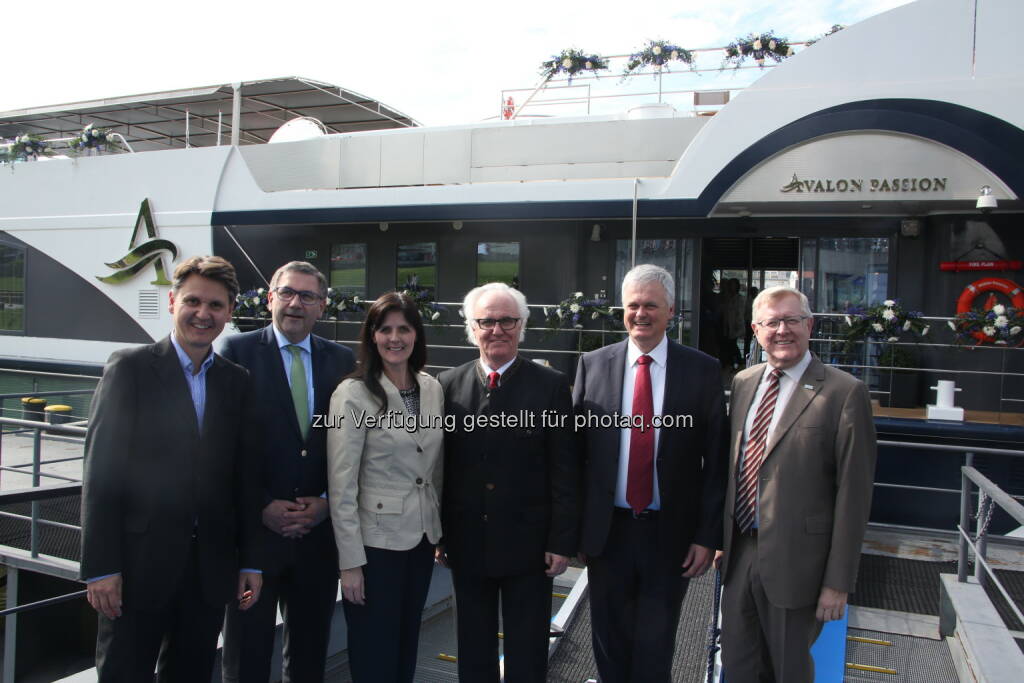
{"points": [[801, 473], [653, 423], [293, 375], [509, 509], [167, 519]]}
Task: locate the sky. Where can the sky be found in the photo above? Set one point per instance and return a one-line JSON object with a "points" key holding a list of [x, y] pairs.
{"points": [[440, 61]]}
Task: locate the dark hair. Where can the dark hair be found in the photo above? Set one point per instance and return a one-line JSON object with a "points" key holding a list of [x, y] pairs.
{"points": [[303, 267], [370, 364], [211, 267]]}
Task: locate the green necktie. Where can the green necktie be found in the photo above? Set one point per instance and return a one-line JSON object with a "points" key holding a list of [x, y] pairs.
{"points": [[299, 397]]}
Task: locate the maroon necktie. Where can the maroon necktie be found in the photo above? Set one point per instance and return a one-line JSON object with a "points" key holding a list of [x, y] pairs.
{"points": [[640, 480], [492, 380], [753, 454]]}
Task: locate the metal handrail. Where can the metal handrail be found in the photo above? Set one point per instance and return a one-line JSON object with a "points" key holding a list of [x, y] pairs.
{"points": [[989, 494]]}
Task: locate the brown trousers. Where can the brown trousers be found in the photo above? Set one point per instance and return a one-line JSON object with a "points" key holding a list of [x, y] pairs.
{"points": [[762, 642]]}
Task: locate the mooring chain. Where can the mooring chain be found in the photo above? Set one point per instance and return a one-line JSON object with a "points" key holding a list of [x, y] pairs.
{"points": [[984, 503]]}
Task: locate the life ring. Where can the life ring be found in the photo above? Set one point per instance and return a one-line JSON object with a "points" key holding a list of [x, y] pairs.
{"points": [[989, 284]]}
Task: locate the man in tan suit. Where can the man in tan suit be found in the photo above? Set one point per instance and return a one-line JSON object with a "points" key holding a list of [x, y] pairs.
{"points": [[802, 463]]}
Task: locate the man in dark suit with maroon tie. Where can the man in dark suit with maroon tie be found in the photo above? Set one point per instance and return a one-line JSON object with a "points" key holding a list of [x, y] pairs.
{"points": [[655, 441]]}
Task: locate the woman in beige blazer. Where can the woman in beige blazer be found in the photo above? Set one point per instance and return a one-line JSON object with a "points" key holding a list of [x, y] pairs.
{"points": [[384, 478]]}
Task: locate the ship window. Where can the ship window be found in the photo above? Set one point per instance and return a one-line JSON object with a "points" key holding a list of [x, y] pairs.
{"points": [[12, 288], [497, 262], [348, 269], [678, 257], [417, 265], [851, 271]]}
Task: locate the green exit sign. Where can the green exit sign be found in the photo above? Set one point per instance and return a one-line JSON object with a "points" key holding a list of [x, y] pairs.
{"points": [[310, 253]]}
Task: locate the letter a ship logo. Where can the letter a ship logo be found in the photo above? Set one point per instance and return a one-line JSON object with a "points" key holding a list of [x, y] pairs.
{"points": [[139, 256]]}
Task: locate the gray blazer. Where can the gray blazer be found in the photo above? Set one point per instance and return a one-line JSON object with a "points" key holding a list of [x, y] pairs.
{"points": [[384, 482], [815, 484]]}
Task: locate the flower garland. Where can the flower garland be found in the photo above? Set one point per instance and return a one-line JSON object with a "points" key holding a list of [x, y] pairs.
{"points": [[572, 62], [251, 303], [430, 310], [25, 147], [577, 309], [658, 53], [93, 138], [341, 307], [883, 322], [760, 47], [1002, 325]]}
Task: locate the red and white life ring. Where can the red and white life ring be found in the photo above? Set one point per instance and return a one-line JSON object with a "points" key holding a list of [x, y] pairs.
{"points": [[989, 284]]}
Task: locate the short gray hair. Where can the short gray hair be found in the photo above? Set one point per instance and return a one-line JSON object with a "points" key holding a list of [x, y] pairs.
{"points": [[647, 273], [773, 294], [303, 267], [469, 306]]}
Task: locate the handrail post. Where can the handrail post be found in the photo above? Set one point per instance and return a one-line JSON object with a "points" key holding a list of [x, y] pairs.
{"points": [[37, 451], [11, 626], [965, 516]]}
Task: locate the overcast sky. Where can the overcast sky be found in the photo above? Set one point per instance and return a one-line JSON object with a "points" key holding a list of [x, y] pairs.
{"points": [[439, 61]]}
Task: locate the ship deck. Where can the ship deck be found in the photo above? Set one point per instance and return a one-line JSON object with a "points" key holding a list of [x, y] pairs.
{"points": [[896, 600]]}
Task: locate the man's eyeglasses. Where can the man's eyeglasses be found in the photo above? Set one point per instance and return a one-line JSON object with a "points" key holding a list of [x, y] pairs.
{"points": [[306, 297], [507, 324], [774, 323]]}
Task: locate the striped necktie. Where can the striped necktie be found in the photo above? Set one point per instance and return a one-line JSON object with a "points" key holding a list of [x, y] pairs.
{"points": [[753, 455], [299, 389]]}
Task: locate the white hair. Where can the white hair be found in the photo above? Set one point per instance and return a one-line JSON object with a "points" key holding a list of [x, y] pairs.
{"points": [[646, 273], [773, 294], [469, 306]]}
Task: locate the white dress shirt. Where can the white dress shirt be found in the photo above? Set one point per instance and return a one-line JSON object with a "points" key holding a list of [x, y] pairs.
{"points": [[501, 371], [787, 385], [659, 356]]}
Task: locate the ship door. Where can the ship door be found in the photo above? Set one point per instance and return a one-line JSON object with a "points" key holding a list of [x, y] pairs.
{"points": [[733, 271]]}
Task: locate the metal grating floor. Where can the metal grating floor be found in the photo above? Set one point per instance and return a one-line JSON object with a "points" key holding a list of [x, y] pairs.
{"points": [[573, 662], [899, 584], [915, 660]]}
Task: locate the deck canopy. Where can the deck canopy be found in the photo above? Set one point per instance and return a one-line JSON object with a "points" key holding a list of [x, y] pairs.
{"points": [[189, 117]]}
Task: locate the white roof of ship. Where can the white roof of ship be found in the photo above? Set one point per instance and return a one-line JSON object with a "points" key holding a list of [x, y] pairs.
{"points": [[157, 120]]}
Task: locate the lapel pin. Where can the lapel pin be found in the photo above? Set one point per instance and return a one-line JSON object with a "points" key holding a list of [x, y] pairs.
{"points": [[809, 386]]}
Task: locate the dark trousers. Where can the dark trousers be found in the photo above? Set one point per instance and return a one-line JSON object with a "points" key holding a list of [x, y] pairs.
{"points": [[179, 639], [306, 591], [635, 599], [383, 634], [762, 642], [526, 622]]}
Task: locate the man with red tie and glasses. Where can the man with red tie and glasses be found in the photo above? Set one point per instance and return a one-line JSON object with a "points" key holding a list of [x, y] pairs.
{"points": [[654, 473], [510, 505]]}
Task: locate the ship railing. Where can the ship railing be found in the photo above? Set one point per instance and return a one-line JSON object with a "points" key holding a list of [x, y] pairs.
{"points": [[592, 90], [966, 611]]}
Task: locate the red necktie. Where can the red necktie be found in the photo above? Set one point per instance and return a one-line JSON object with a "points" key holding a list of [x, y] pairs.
{"points": [[492, 380], [753, 454], [640, 479]]}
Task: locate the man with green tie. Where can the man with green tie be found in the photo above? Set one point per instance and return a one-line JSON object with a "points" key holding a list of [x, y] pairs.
{"points": [[293, 375]]}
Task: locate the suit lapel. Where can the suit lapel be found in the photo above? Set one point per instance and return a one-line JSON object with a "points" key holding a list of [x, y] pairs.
{"points": [[617, 365], [806, 389], [671, 393], [282, 392], [171, 378]]}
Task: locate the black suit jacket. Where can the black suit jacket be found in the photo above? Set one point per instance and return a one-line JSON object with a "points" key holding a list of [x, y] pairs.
{"points": [[289, 466], [691, 461], [153, 476], [510, 493]]}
